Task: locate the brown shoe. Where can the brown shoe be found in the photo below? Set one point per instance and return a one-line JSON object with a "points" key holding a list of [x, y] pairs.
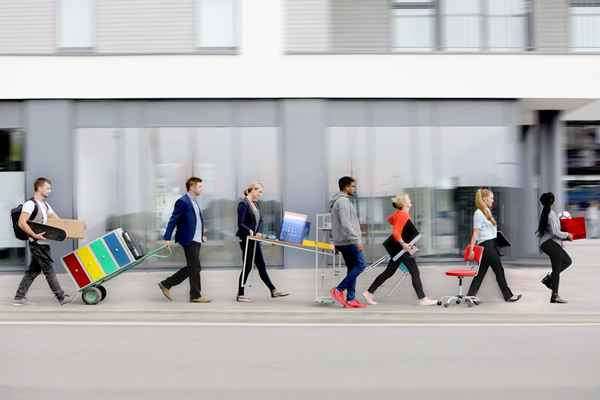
{"points": [[166, 292], [201, 299]]}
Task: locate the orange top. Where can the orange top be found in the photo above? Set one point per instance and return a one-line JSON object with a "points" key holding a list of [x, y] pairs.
{"points": [[398, 219]]}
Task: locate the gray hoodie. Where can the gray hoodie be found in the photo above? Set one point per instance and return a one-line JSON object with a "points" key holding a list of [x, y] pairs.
{"points": [[345, 227]]}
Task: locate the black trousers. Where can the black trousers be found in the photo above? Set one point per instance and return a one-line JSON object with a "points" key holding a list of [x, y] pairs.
{"points": [[560, 261], [41, 261], [490, 258], [391, 269], [259, 261], [191, 271]]}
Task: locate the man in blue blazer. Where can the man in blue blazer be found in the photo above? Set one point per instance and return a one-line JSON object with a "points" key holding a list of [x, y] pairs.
{"points": [[187, 218]]}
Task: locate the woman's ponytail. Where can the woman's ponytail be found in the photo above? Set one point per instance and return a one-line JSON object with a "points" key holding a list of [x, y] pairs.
{"points": [[547, 200]]}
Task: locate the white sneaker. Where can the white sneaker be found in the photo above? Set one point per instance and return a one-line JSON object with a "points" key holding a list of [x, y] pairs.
{"points": [[24, 301], [369, 298], [426, 301]]}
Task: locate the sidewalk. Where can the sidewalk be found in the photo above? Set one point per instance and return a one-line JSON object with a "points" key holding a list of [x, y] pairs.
{"points": [[134, 296]]}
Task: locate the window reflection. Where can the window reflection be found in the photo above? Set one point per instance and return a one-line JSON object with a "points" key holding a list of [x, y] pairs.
{"points": [[440, 167], [140, 173]]}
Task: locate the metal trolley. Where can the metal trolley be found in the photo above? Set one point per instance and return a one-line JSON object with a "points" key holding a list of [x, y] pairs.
{"points": [[102, 260]]}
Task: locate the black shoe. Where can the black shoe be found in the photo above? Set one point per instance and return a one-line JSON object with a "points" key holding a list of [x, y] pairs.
{"points": [[547, 282], [515, 298], [558, 299]]}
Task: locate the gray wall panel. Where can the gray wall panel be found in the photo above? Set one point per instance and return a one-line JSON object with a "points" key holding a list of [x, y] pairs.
{"points": [[11, 114], [360, 25], [347, 113], [257, 113], [49, 153], [307, 25], [551, 25], [304, 165], [188, 113], [95, 114], [145, 26], [27, 26]]}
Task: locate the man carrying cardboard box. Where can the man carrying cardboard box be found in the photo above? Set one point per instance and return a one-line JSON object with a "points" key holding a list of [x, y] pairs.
{"points": [[39, 211]]}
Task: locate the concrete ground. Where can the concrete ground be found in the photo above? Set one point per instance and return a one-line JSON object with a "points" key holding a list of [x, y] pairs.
{"points": [[134, 295]]}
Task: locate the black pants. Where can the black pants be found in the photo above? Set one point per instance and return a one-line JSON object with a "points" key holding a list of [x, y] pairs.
{"points": [[560, 261], [41, 261], [259, 260], [490, 258], [391, 269], [191, 271]]}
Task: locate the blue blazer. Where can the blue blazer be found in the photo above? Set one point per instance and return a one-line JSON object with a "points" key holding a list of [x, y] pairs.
{"points": [[247, 220], [184, 219]]}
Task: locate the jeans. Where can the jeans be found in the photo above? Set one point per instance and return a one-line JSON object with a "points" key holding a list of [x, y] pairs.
{"points": [[40, 262], [191, 271], [355, 263]]}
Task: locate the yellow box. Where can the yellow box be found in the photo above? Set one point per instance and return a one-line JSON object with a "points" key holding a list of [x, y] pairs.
{"points": [[93, 269]]}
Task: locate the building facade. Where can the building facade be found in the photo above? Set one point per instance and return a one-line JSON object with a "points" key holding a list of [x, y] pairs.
{"points": [[119, 102]]}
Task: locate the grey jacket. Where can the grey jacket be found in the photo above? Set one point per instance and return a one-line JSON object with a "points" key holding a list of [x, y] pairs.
{"points": [[345, 227], [553, 231]]}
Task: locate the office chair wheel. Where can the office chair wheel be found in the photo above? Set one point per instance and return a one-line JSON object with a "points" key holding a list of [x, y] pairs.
{"points": [[439, 303], [446, 305], [457, 301]]}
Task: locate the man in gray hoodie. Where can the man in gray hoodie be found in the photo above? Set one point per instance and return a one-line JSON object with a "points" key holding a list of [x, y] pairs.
{"points": [[345, 230]]}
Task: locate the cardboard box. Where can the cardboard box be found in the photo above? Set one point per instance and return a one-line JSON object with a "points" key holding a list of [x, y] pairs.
{"points": [[74, 228]]}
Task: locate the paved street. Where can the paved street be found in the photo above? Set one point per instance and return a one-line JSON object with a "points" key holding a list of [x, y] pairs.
{"points": [[332, 362]]}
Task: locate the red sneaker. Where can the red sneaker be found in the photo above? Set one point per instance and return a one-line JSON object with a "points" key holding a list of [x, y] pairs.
{"points": [[338, 296], [355, 304]]}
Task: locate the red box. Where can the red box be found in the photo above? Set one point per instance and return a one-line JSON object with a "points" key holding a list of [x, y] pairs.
{"points": [[575, 226]]}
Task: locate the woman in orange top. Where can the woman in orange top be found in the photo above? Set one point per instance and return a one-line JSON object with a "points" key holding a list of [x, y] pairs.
{"points": [[398, 219]]}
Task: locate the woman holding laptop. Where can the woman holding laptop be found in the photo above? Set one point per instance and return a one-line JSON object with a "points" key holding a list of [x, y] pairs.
{"points": [[398, 220], [485, 232]]}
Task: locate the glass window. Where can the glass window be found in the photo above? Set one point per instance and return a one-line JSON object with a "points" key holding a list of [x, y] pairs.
{"points": [[12, 181], [461, 25], [414, 25], [584, 25], [507, 24], [144, 173], [439, 167], [216, 23], [76, 26]]}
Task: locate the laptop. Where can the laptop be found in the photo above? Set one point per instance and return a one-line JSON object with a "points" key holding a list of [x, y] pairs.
{"points": [[410, 234]]}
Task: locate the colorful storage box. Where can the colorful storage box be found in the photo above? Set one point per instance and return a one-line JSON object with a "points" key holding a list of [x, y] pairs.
{"points": [[93, 262]]}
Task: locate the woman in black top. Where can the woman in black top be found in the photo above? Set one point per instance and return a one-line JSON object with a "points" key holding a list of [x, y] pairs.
{"points": [[250, 224], [551, 238]]}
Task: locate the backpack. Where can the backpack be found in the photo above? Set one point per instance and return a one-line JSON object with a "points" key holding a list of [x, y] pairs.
{"points": [[15, 213]]}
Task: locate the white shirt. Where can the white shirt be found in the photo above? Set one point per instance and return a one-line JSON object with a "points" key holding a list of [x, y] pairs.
{"points": [[198, 234], [44, 210], [487, 230]]}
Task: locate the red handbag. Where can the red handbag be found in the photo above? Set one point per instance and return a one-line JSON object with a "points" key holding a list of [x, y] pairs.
{"points": [[575, 226], [478, 250]]}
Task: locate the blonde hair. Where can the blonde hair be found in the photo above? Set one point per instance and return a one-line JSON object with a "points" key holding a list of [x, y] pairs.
{"points": [[480, 205], [252, 187], [399, 201]]}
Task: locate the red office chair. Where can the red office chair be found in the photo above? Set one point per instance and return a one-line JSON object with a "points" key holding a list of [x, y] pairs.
{"points": [[461, 274]]}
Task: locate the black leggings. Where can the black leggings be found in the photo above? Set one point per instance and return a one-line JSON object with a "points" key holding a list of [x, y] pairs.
{"points": [[259, 260], [560, 261], [490, 258], [391, 269]]}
